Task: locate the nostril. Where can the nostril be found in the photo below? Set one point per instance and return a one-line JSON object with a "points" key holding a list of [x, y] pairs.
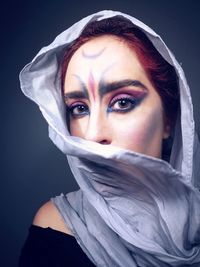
{"points": [[104, 142]]}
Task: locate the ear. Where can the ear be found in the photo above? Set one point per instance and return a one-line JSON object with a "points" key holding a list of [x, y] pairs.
{"points": [[166, 131]]}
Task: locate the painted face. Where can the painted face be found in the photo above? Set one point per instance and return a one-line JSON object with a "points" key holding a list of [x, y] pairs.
{"points": [[110, 98]]}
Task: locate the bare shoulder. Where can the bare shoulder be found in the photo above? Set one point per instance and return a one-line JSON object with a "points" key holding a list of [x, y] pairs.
{"points": [[48, 216]]}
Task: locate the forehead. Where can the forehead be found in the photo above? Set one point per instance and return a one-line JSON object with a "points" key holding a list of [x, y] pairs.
{"points": [[102, 52], [99, 45]]}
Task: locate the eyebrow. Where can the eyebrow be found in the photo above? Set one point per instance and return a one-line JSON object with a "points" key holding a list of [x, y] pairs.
{"points": [[83, 94], [76, 95], [104, 88]]}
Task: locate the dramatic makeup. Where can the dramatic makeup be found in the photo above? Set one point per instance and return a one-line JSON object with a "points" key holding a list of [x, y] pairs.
{"points": [[110, 100], [123, 93]]}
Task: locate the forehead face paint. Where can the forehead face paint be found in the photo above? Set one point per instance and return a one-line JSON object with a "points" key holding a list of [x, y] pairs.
{"points": [[91, 84], [93, 56], [83, 86]]}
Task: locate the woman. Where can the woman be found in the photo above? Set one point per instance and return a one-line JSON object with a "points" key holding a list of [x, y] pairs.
{"points": [[109, 89]]}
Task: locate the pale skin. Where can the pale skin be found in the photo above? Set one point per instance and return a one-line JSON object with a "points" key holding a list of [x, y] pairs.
{"points": [[110, 101]]}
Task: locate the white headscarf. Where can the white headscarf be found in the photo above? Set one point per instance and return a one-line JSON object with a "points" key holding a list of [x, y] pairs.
{"points": [[131, 209]]}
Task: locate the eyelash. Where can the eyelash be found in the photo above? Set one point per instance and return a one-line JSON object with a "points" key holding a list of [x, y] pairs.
{"points": [[77, 106], [132, 101]]}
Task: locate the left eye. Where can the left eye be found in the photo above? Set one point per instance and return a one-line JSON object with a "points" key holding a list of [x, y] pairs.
{"points": [[123, 104], [78, 110]]}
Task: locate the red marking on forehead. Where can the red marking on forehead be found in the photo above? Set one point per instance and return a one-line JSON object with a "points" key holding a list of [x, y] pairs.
{"points": [[91, 84]]}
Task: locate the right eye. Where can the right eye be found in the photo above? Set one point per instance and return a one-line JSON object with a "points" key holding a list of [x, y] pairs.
{"points": [[78, 110]]}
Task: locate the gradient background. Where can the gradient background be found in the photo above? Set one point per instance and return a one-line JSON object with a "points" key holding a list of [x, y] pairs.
{"points": [[33, 169]]}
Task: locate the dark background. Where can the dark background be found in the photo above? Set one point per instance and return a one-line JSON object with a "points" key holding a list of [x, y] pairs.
{"points": [[32, 168]]}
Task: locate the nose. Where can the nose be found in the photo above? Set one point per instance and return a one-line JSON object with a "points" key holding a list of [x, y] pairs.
{"points": [[98, 130]]}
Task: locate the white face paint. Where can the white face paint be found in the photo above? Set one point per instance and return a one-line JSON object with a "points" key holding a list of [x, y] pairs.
{"points": [[110, 98]]}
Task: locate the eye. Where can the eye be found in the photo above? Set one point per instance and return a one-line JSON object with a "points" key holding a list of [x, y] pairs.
{"points": [[78, 110], [123, 103]]}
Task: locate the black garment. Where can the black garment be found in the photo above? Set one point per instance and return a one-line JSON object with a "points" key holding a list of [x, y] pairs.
{"points": [[47, 247]]}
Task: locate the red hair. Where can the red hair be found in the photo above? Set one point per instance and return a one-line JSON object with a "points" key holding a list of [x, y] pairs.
{"points": [[161, 74]]}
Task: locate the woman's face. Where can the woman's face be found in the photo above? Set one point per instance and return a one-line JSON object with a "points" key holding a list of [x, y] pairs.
{"points": [[110, 98]]}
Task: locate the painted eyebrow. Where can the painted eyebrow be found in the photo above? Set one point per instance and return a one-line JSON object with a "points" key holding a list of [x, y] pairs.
{"points": [[83, 94], [105, 88], [76, 95]]}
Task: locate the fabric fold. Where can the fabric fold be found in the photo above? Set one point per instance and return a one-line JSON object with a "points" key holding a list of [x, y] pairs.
{"points": [[131, 209]]}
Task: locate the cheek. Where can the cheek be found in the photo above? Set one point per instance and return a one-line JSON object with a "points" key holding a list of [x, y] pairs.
{"points": [[140, 133], [77, 127], [149, 129]]}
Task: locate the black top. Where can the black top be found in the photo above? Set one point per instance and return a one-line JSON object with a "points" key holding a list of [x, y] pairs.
{"points": [[47, 247]]}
